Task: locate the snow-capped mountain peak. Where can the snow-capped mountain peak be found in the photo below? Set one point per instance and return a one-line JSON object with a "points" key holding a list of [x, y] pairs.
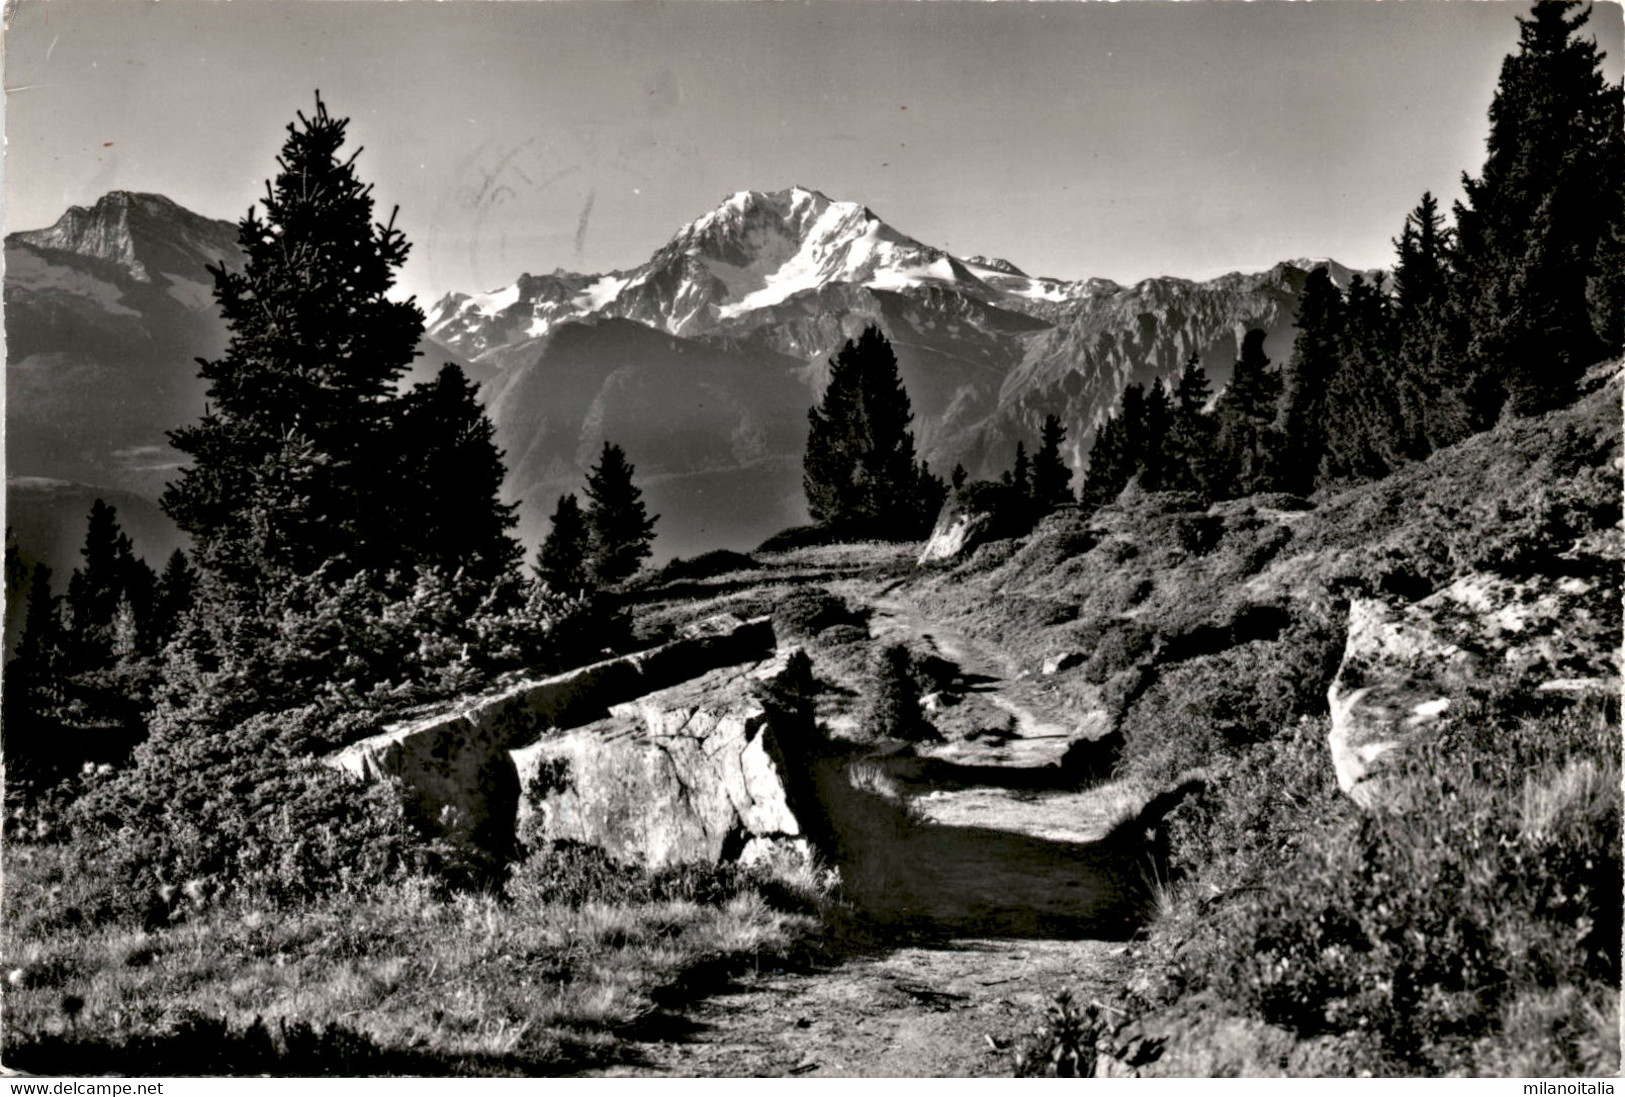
{"points": [[754, 250]]}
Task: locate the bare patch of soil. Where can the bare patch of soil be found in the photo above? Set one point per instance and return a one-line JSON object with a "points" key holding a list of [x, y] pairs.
{"points": [[918, 1012]]}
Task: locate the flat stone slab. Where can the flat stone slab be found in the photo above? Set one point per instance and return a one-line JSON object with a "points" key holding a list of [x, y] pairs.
{"points": [[454, 760]]}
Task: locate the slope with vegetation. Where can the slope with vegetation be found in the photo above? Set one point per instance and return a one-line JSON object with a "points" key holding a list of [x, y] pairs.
{"points": [[205, 895]]}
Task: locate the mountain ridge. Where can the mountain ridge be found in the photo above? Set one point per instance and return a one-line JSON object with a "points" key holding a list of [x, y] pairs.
{"points": [[108, 308]]}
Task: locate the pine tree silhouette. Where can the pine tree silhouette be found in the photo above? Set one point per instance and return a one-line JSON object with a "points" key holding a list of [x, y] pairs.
{"points": [[1243, 416], [621, 532], [1316, 355], [563, 561], [859, 472], [1190, 448], [1542, 221], [1052, 479], [293, 465], [453, 518]]}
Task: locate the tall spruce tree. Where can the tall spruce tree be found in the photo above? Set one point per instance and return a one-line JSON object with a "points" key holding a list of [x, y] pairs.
{"points": [[859, 472], [929, 495], [1020, 476], [293, 464], [1364, 432], [177, 587], [1439, 396], [1190, 456], [563, 561], [1052, 479], [1541, 220], [1154, 445], [1244, 413], [453, 519], [1118, 453], [1316, 355], [110, 577], [621, 533]]}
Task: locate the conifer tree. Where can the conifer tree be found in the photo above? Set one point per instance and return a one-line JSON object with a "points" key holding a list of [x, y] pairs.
{"points": [[621, 531], [1118, 453], [292, 463], [1190, 457], [176, 589], [563, 560], [959, 476], [1537, 227], [1052, 479], [859, 472], [33, 694], [1439, 400], [111, 575], [1018, 476], [1364, 434], [453, 519], [1154, 442], [929, 495], [1243, 415], [1316, 356]]}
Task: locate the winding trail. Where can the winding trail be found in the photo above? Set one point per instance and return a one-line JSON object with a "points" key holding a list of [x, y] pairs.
{"points": [[1002, 865]]}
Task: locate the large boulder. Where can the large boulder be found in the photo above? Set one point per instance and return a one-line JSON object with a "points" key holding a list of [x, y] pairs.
{"points": [[696, 773], [454, 761], [974, 515], [1404, 668]]}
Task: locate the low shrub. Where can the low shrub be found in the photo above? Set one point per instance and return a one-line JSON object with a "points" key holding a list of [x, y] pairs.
{"points": [[1066, 1045], [1190, 714], [892, 710], [1120, 645], [371, 642], [1490, 902], [247, 812], [806, 611], [707, 565]]}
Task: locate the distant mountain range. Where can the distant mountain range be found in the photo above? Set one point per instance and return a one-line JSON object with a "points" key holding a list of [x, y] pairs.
{"points": [[701, 362]]}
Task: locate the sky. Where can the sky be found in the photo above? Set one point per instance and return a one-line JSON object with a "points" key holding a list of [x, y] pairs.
{"points": [[1074, 139]]}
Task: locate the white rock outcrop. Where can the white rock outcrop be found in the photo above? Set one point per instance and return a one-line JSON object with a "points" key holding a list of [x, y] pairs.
{"points": [[696, 773], [1404, 668]]}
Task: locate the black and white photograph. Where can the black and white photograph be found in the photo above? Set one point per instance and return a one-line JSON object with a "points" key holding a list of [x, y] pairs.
{"points": [[808, 539]]}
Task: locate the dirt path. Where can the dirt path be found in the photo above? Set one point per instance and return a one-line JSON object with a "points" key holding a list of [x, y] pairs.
{"points": [[949, 1011], [997, 854], [1041, 730]]}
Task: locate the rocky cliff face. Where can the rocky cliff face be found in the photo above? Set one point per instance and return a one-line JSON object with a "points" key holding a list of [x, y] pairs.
{"points": [[106, 312]]}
